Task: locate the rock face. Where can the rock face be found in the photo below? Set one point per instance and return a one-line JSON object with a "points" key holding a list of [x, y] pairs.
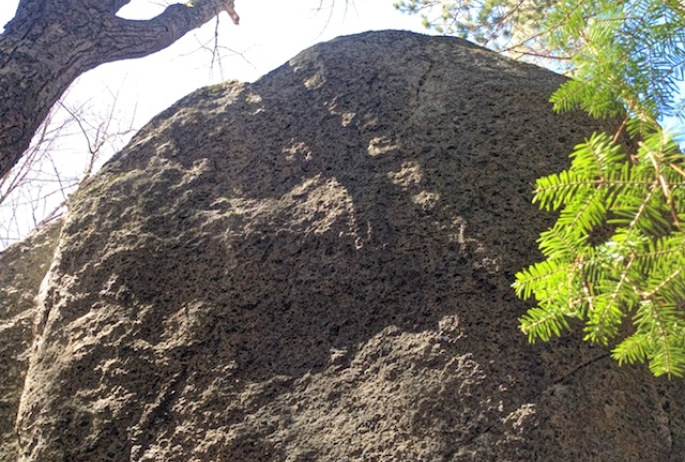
{"points": [[317, 267], [22, 268]]}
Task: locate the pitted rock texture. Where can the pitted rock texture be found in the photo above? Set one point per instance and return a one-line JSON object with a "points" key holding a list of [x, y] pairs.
{"points": [[22, 268], [317, 267]]}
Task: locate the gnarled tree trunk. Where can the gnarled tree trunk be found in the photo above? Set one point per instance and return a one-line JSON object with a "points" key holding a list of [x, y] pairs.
{"points": [[51, 42]]}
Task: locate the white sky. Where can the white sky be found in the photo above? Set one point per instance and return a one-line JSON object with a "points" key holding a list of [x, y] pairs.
{"points": [[270, 33]]}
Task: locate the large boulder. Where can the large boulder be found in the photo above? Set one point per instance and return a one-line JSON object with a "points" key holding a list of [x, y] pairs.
{"points": [[317, 267], [22, 268]]}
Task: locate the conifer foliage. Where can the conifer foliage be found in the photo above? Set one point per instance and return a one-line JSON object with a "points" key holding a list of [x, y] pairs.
{"points": [[636, 273], [615, 259]]}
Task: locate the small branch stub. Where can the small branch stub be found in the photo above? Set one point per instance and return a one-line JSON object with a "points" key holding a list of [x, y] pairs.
{"points": [[230, 9]]}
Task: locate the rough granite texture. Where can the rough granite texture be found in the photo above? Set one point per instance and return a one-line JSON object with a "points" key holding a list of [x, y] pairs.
{"points": [[317, 267], [22, 268]]}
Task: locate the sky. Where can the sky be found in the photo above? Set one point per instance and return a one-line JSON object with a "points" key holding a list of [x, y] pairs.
{"points": [[271, 32], [133, 91]]}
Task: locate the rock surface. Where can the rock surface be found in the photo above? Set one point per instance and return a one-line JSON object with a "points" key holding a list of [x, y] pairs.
{"points": [[22, 268], [317, 267]]}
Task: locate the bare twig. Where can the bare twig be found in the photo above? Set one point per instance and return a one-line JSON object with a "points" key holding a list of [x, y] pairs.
{"points": [[37, 189]]}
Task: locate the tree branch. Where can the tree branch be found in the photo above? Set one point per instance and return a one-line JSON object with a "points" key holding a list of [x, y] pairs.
{"points": [[50, 43], [126, 39]]}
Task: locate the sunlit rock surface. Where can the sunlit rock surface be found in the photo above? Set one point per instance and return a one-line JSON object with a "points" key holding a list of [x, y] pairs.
{"points": [[317, 267]]}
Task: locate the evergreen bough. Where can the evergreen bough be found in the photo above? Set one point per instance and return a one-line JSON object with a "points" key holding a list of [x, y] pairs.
{"points": [[615, 258], [617, 252]]}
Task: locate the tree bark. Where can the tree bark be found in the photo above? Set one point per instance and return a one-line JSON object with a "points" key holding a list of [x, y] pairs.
{"points": [[49, 43]]}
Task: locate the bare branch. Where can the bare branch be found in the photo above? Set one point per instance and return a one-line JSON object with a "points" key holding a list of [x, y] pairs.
{"points": [[37, 188], [127, 38], [50, 43]]}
